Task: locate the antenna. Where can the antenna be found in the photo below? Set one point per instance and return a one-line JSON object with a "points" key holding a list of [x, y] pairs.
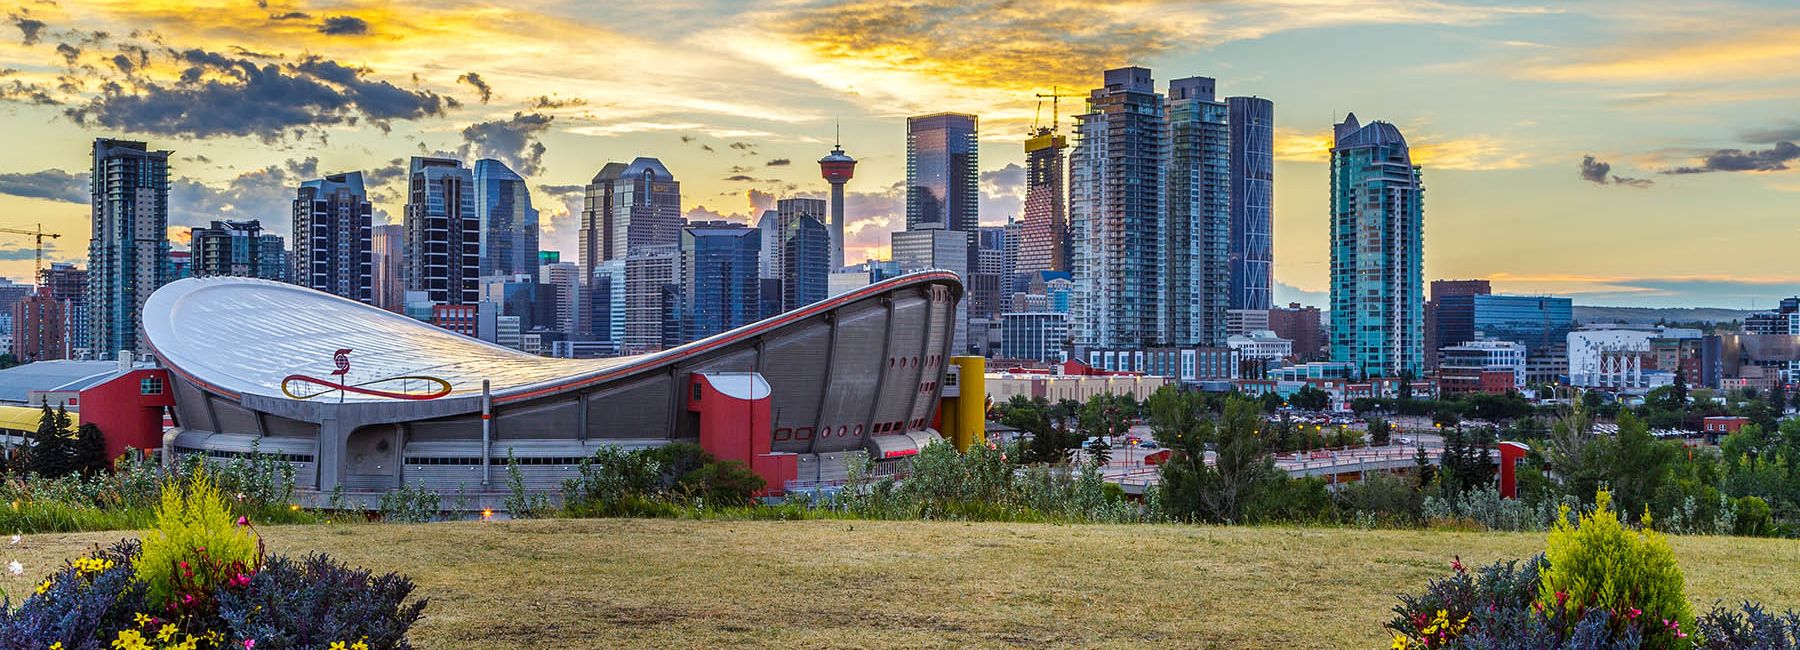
{"points": [[837, 125]]}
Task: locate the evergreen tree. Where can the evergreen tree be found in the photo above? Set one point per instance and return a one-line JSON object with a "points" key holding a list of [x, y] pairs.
{"points": [[49, 454], [90, 450], [1679, 390]]}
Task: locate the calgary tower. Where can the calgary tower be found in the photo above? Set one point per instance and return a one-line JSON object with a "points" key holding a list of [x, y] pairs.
{"points": [[837, 169]]}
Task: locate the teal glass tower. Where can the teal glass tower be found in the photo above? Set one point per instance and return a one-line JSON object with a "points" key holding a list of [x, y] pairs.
{"points": [[1377, 245]]}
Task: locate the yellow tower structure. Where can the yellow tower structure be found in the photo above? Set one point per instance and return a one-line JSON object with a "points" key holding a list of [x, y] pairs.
{"points": [[964, 406]]}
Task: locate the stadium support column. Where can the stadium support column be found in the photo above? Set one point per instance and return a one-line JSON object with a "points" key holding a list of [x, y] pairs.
{"points": [[964, 407]]}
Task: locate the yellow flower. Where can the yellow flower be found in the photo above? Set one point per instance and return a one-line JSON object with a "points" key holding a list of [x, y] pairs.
{"points": [[167, 632], [338, 645], [56, 646], [360, 645], [1400, 643], [43, 587], [130, 640], [141, 618]]}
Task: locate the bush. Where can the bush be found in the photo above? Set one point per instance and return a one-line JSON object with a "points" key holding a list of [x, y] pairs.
{"points": [[724, 483], [79, 605], [1599, 564], [194, 532], [314, 602], [1752, 516], [410, 504], [1750, 628]]}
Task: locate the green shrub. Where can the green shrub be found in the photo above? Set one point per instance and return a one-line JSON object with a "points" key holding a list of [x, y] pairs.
{"points": [[726, 483], [1752, 516], [1599, 564], [193, 527]]}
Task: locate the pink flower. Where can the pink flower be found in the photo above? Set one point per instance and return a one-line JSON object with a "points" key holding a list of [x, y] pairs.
{"points": [[249, 643], [243, 521], [1456, 563], [1633, 613]]}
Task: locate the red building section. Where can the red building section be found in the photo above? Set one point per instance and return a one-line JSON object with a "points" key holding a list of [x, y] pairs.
{"points": [[733, 408], [1510, 455], [128, 409]]}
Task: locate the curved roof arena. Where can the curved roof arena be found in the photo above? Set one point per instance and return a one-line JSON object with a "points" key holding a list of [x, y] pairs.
{"points": [[244, 336]]}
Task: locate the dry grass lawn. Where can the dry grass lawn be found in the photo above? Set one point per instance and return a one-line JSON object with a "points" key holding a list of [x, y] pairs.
{"points": [[839, 584]]}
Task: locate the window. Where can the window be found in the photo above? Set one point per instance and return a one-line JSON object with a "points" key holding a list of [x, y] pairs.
{"points": [[150, 386]]}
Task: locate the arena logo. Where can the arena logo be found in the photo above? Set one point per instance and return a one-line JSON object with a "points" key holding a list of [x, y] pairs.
{"points": [[304, 387]]}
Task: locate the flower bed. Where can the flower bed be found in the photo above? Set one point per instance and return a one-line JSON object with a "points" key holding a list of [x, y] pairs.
{"points": [[201, 581], [1600, 585]]}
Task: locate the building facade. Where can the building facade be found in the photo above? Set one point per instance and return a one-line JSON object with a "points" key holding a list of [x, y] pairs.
{"points": [[443, 232], [805, 262], [720, 277], [1252, 121], [564, 280], [40, 328], [238, 249], [334, 237], [508, 223], [1043, 240], [1116, 214], [1035, 336], [1196, 273], [943, 173], [387, 266], [1377, 251], [128, 253]]}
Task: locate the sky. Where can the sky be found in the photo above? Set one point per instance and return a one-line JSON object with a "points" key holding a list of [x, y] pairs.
{"points": [[1630, 152]]}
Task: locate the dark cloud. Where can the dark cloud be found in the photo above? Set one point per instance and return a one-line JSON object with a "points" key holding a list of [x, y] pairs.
{"points": [[686, 139], [344, 26], [780, 162], [474, 80], [739, 169], [52, 184], [707, 148], [25, 93], [546, 102], [32, 29], [1600, 172], [223, 95], [69, 53], [1785, 132], [292, 15], [1772, 159], [512, 141], [744, 147], [740, 178]]}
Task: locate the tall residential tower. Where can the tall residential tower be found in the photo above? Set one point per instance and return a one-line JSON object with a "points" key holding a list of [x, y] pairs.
{"points": [[333, 237], [1377, 251], [128, 255], [443, 235], [1196, 271], [1116, 214]]}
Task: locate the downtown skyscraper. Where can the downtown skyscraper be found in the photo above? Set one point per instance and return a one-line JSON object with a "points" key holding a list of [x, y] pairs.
{"points": [[443, 234], [1377, 251], [1116, 214], [1252, 121], [1043, 241], [1196, 271], [632, 216], [128, 254], [333, 237], [943, 173], [509, 225]]}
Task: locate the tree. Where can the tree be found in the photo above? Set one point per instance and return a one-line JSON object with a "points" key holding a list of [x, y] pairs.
{"points": [[1105, 416], [1271, 402], [90, 450], [1679, 389], [50, 449], [1311, 399], [1049, 443], [1242, 468], [1100, 452], [1641, 465], [1380, 432]]}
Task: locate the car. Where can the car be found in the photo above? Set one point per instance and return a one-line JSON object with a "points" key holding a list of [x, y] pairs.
{"points": [[1149, 444], [1405, 440]]}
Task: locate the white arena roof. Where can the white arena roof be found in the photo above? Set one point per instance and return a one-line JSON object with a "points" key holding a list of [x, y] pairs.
{"points": [[245, 336]]}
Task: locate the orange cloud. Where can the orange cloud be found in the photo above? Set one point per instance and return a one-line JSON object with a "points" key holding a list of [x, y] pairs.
{"points": [[1752, 54]]}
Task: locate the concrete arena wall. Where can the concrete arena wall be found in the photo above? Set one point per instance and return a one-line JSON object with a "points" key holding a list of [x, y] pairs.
{"points": [[840, 375]]}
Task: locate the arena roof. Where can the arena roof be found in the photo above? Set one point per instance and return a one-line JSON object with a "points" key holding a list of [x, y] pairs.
{"points": [[245, 336]]}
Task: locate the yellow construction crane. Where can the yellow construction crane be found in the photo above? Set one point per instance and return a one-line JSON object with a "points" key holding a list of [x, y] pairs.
{"points": [[1055, 109], [40, 235]]}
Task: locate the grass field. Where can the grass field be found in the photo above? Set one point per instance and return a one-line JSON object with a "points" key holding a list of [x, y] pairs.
{"points": [[855, 584]]}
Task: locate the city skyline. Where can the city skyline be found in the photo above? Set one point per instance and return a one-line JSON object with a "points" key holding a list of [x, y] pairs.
{"points": [[1570, 149]]}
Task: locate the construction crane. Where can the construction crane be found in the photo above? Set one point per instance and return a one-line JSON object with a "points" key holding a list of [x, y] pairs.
{"points": [[1055, 110], [40, 235]]}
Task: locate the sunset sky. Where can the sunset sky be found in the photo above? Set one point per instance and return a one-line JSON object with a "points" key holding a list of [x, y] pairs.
{"points": [[1637, 152]]}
